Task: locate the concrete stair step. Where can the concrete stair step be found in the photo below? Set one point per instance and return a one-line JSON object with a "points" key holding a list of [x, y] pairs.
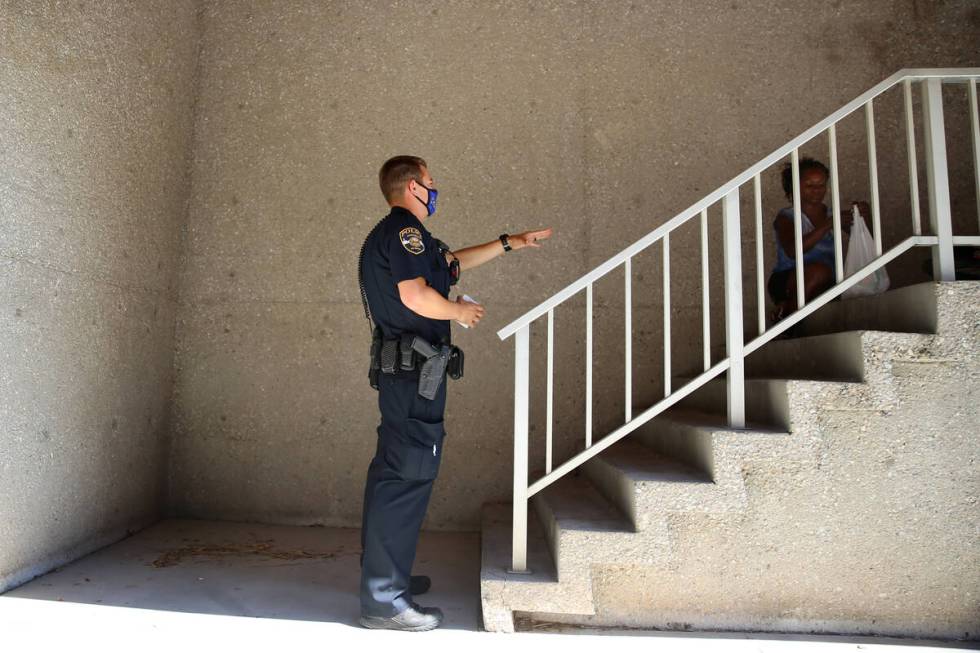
{"points": [[712, 422], [497, 519], [584, 528], [766, 401], [912, 309], [641, 464], [576, 504], [789, 404], [504, 592], [788, 379], [827, 357], [705, 441], [848, 356], [646, 484]]}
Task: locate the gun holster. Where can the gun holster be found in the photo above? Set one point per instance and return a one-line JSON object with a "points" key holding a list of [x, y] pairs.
{"points": [[433, 369], [409, 353]]}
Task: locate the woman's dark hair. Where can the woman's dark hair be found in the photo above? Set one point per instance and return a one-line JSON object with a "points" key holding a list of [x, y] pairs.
{"points": [[805, 164]]}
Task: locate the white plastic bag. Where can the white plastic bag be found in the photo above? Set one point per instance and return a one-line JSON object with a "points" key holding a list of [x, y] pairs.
{"points": [[860, 252]]}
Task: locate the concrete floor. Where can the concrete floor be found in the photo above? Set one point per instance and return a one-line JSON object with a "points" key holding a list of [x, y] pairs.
{"points": [[253, 570], [240, 587]]}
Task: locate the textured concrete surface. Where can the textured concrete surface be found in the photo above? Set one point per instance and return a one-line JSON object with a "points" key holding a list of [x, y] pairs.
{"points": [[861, 517], [260, 571], [95, 128], [599, 119]]}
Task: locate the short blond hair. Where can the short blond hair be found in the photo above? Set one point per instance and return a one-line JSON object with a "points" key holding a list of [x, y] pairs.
{"points": [[397, 171]]}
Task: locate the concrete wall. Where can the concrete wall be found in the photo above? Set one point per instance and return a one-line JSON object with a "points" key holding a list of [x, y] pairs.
{"points": [[95, 108], [599, 119]]}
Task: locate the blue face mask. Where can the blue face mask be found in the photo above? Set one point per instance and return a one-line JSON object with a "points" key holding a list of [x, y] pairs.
{"points": [[430, 206]]}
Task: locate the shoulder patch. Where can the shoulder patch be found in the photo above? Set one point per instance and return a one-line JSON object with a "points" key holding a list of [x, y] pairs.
{"points": [[411, 239]]}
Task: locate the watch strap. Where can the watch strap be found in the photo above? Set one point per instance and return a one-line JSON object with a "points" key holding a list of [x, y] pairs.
{"points": [[504, 241]]}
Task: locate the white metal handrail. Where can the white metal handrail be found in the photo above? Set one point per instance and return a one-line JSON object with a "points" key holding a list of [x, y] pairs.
{"points": [[931, 81]]}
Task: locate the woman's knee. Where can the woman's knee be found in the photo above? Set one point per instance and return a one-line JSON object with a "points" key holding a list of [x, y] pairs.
{"points": [[817, 272], [818, 278]]}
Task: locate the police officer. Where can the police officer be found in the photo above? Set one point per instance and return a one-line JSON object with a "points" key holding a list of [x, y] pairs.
{"points": [[405, 279]]}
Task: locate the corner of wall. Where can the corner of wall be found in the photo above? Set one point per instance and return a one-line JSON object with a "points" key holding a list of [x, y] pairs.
{"points": [[169, 501]]}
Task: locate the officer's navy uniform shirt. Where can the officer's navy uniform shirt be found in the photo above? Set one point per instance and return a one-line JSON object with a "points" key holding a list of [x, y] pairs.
{"points": [[398, 249]]}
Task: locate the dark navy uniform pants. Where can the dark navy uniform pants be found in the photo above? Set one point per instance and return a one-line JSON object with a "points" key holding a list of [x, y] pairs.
{"points": [[396, 495]]}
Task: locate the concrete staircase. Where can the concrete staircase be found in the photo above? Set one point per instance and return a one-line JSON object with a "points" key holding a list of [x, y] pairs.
{"points": [[666, 528]]}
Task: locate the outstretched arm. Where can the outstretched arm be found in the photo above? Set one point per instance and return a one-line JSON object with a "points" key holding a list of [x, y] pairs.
{"points": [[471, 257]]}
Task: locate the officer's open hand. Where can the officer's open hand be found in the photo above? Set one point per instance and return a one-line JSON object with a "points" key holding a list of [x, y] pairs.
{"points": [[529, 238], [470, 314]]}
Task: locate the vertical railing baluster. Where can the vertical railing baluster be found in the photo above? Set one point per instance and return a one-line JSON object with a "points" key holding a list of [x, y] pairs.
{"points": [[937, 173], [835, 203], [666, 314], [549, 429], [913, 164], [705, 307], [733, 310], [588, 366], [869, 117], [797, 229], [760, 284], [975, 130], [628, 300], [522, 360]]}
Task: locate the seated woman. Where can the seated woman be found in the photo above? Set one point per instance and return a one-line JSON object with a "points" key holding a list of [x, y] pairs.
{"points": [[818, 238]]}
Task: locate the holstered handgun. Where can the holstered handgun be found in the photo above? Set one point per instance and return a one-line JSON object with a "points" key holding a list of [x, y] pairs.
{"points": [[433, 369]]}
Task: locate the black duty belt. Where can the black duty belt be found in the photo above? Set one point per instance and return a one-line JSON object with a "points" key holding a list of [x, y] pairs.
{"points": [[411, 353]]}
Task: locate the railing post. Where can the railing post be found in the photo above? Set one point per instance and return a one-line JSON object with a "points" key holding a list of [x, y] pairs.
{"points": [[550, 428], [975, 132], [522, 359], [797, 229], [705, 304], [588, 366], [760, 272], [732, 236], [913, 162], [628, 348], [938, 175], [869, 114], [667, 352], [835, 203]]}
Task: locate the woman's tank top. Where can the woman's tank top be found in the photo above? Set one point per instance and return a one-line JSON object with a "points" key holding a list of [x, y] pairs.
{"points": [[822, 252]]}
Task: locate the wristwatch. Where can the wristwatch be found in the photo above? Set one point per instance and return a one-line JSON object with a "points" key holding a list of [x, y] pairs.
{"points": [[504, 242]]}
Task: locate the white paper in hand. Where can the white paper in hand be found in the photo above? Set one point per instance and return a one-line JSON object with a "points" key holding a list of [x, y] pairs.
{"points": [[467, 298]]}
